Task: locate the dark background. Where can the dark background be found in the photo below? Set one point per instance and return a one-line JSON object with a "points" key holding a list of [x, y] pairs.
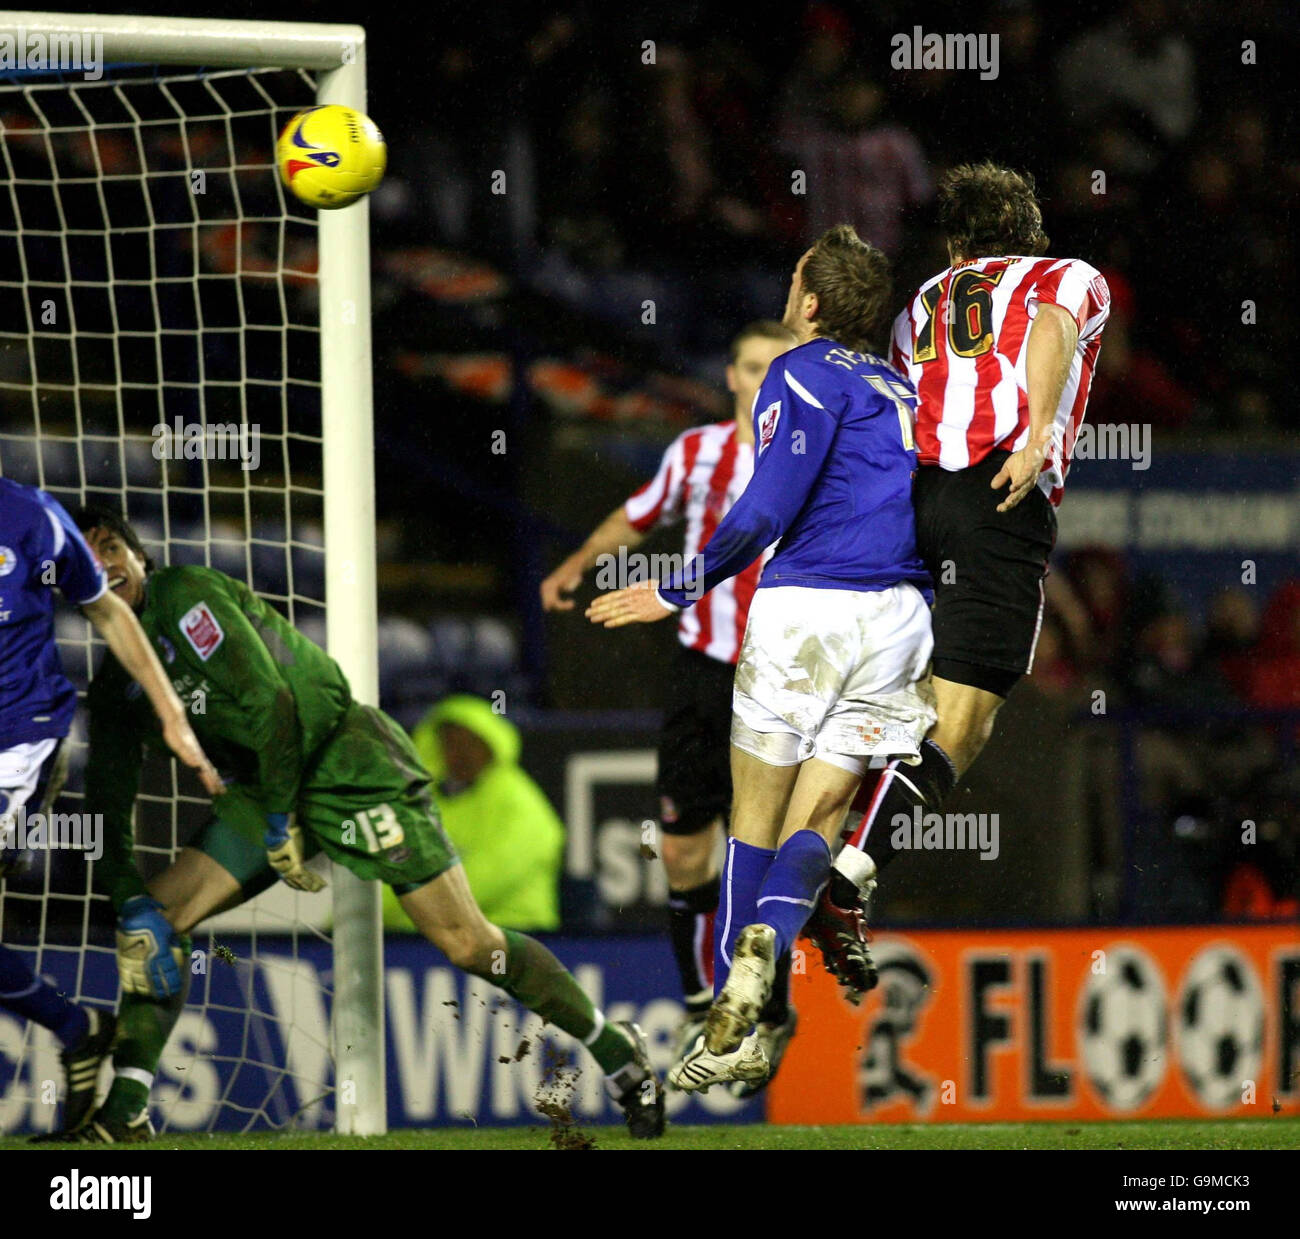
{"points": [[671, 183]]}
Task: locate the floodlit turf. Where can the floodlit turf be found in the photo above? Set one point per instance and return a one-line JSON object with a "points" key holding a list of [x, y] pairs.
{"points": [[1277, 1133]]}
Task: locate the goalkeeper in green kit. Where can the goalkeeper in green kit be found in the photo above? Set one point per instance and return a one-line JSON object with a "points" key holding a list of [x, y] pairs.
{"points": [[307, 769]]}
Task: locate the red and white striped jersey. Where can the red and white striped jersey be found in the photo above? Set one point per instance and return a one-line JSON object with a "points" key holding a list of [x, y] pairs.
{"points": [[703, 472], [970, 374]]}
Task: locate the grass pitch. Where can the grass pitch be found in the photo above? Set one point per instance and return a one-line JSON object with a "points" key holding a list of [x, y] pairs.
{"points": [[1177, 1134]]}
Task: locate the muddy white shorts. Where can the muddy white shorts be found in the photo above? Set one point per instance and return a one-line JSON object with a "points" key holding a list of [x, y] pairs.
{"points": [[837, 674], [31, 776]]}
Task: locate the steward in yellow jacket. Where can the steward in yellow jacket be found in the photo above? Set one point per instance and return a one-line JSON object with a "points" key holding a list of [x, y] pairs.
{"points": [[510, 839]]}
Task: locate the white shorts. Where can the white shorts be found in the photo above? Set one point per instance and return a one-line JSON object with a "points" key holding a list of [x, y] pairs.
{"points": [[23, 769], [833, 673]]}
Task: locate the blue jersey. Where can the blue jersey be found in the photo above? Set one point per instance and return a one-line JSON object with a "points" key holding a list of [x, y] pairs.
{"points": [[832, 480], [40, 550]]}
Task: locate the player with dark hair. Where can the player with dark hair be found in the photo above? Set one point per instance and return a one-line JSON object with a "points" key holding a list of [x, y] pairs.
{"points": [[41, 550], [1001, 348], [832, 673], [702, 474], [308, 769]]}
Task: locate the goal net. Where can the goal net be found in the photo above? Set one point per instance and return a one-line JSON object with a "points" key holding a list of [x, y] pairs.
{"points": [[161, 339]]}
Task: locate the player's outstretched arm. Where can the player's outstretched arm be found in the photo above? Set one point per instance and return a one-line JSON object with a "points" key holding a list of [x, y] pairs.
{"points": [[637, 604], [613, 532], [792, 447], [117, 624], [1052, 338]]}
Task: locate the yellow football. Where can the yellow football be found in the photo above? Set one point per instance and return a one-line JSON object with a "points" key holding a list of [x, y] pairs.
{"points": [[330, 156]]}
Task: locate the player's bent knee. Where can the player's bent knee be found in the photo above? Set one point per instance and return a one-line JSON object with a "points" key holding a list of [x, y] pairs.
{"points": [[471, 948], [462, 947], [966, 718]]}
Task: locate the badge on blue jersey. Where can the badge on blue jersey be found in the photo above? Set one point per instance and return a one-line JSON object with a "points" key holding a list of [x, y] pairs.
{"points": [[8, 561]]}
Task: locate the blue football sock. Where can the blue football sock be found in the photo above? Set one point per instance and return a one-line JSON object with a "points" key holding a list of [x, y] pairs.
{"points": [[794, 881], [25, 994], [743, 871]]}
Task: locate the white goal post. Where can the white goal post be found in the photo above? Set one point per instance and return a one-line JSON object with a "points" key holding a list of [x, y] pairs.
{"points": [[337, 56]]}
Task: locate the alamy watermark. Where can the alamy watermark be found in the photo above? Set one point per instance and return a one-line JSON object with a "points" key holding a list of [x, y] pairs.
{"points": [[632, 568], [122, 1193], [946, 832], [52, 832], [919, 50], [1110, 441], [184, 440], [39, 51]]}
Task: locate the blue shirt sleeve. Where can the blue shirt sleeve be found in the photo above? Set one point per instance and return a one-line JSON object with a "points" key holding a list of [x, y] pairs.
{"points": [[793, 433], [77, 572]]}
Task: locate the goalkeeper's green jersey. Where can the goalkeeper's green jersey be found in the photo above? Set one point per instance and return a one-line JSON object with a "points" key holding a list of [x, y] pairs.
{"points": [[262, 699]]}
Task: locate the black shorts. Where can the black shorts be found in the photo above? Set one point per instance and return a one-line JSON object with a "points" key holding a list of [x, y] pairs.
{"points": [[988, 569], [694, 784]]}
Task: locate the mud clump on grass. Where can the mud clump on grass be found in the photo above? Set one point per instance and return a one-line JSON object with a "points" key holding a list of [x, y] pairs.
{"points": [[554, 1098]]}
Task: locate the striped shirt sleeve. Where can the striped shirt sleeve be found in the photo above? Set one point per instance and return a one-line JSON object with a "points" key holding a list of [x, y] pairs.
{"points": [[660, 500], [1079, 289], [900, 343]]}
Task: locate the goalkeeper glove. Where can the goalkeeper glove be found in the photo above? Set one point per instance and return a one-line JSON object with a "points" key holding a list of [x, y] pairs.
{"points": [[150, 954], [284, 850]]}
